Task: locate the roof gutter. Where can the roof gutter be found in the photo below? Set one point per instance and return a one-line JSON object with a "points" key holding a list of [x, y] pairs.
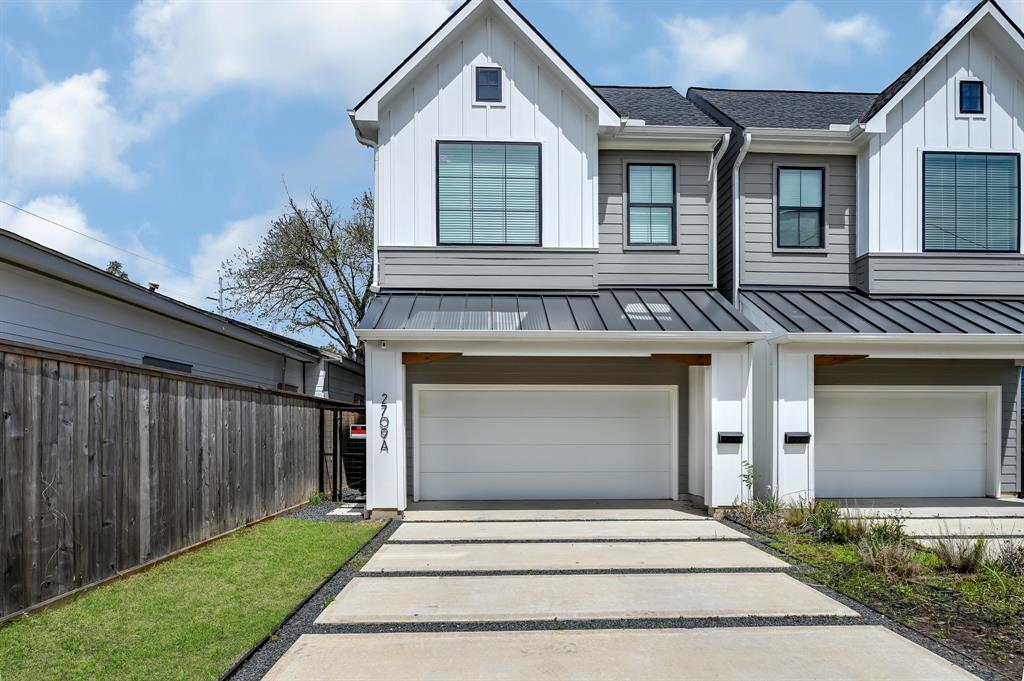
{"points": [[747, 140], [677, 137], [904, 338], [569, 336], [365, 141]]}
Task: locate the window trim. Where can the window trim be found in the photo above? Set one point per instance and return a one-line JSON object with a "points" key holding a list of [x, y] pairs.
{"points": [[924, 192], [476, 84], [822, 210], [674, 206], [167, 364], [960, 96], [437, 193]]}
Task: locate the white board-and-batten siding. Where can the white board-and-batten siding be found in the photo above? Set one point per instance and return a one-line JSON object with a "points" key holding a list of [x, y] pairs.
{"points": [[928, 119], [436, 103]]}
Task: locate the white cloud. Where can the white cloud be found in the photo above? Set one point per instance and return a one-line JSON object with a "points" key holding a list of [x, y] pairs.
{"points": [[948, 15], [67, 132], [759, 49], [597, 17], [190, 50], [50, 9]]}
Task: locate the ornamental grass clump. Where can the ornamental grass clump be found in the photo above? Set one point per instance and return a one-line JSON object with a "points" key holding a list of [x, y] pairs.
{"points": [[823, 521], [964, 555], [897, 559], [1011, 558]]}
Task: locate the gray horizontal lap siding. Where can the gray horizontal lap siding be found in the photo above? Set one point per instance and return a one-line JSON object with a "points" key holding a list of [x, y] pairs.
{"points": [[1002, 373], [761, 262], [690, 264], [486, 267], [936, 273], [552, 371]]}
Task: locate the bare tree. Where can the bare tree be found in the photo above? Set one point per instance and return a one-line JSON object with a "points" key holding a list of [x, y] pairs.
{"points": [[312, 270]]}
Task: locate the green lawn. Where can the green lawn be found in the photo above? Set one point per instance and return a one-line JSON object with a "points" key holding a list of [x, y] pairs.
{"points": [[188, 618]]}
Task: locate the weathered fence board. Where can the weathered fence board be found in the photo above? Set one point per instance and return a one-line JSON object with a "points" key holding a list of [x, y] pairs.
{"points": [[104, 467]]}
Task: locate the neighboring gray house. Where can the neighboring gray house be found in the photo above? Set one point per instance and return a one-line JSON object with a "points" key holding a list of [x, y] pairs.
{"points": [[620, 292], [48, 299], [878, 235]]}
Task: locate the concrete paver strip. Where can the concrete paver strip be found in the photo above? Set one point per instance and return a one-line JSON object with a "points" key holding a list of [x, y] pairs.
{"points": [[483, 515], [565, 531], [569, 556], [942, 527], [839, 653], [498, 598]]}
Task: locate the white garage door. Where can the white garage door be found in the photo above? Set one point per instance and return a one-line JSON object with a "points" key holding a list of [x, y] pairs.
{"points": [[544, 442], [906, 442]]}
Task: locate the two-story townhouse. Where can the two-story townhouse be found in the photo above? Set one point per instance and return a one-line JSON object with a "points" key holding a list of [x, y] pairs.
{"points": [[546, 323], [877, 236]]}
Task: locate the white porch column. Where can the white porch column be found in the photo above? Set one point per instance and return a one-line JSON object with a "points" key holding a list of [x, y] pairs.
{"points": [[385, 426], [794, 413], [730, 413]]}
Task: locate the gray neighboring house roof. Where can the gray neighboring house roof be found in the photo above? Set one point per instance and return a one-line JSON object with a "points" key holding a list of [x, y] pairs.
{"points": [[21, 252], [784, 108], [661, 105], [848, 311], [606, 310]]}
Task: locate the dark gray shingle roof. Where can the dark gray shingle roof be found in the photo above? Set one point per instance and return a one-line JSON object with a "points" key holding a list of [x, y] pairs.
{"points": [[785, 108], [848, 311], [654, 105], [604, 310]]}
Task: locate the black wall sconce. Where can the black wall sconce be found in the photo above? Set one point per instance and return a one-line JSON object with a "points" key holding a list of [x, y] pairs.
{"points": [[797, 438], [725, 438]]}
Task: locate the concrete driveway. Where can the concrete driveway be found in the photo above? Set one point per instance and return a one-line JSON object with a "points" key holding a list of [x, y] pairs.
{"points": [[598, 591]]}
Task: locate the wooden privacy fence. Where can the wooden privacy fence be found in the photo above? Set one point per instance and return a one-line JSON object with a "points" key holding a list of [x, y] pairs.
{"points": [[107, 466]]}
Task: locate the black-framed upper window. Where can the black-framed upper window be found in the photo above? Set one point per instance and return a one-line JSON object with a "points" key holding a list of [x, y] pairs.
{"points": [[651, 218], [971, 202], [488, 193], [801, 208], [972, 97], [488, 84], [147, 360]]}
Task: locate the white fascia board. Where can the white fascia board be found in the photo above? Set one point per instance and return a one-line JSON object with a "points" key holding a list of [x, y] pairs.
{"points": [[564, 336], [604, 348], [667, 137], [921, 338], [368, 110], [877, 122], [805, 141]]}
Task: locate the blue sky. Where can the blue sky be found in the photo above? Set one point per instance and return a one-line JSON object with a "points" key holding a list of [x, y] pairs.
{"points": [[170, 129]]}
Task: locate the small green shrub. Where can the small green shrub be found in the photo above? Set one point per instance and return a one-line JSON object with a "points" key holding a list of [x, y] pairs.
{"points": [[965, 555], [822, 521], [888, 530], [795, 515], [317, 498], [896, 559], [1011, 558]]}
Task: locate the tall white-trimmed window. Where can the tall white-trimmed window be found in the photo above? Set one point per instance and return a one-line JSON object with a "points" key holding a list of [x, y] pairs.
{"points": [[971, 202], [800, 221], [651, 218], [488, 193]]}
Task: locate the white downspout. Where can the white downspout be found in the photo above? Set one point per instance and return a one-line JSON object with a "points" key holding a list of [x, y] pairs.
{"points": [[736, 245], [713, 216]]}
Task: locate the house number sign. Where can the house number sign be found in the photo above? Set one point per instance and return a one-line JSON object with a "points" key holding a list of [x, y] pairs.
{"points": [[384, 423]]}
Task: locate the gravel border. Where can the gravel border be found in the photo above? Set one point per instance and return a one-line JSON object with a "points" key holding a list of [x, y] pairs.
{"points": [[320, 512], [258, 661]]}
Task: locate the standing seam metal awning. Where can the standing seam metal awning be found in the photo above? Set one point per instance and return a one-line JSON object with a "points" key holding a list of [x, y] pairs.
{"points": [[846, 311], [676, 310]]}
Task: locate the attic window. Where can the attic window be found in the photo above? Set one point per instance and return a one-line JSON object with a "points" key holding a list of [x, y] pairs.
{"points": [[488, 84], [972, 99]]}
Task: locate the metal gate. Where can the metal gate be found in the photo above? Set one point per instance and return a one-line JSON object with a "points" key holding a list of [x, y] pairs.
{"points": [[342, 453]]}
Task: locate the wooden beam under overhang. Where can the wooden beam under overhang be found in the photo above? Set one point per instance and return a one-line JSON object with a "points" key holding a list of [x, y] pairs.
{"points": [[832, 360], [427, 357], [688, 360]]}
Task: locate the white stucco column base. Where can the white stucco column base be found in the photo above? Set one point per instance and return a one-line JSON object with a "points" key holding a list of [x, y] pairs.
{"points": [[729, 394], [794, 413], [385, 425]]}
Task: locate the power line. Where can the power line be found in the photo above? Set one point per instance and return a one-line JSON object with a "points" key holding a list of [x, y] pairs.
{"points": [[89, 236]]}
